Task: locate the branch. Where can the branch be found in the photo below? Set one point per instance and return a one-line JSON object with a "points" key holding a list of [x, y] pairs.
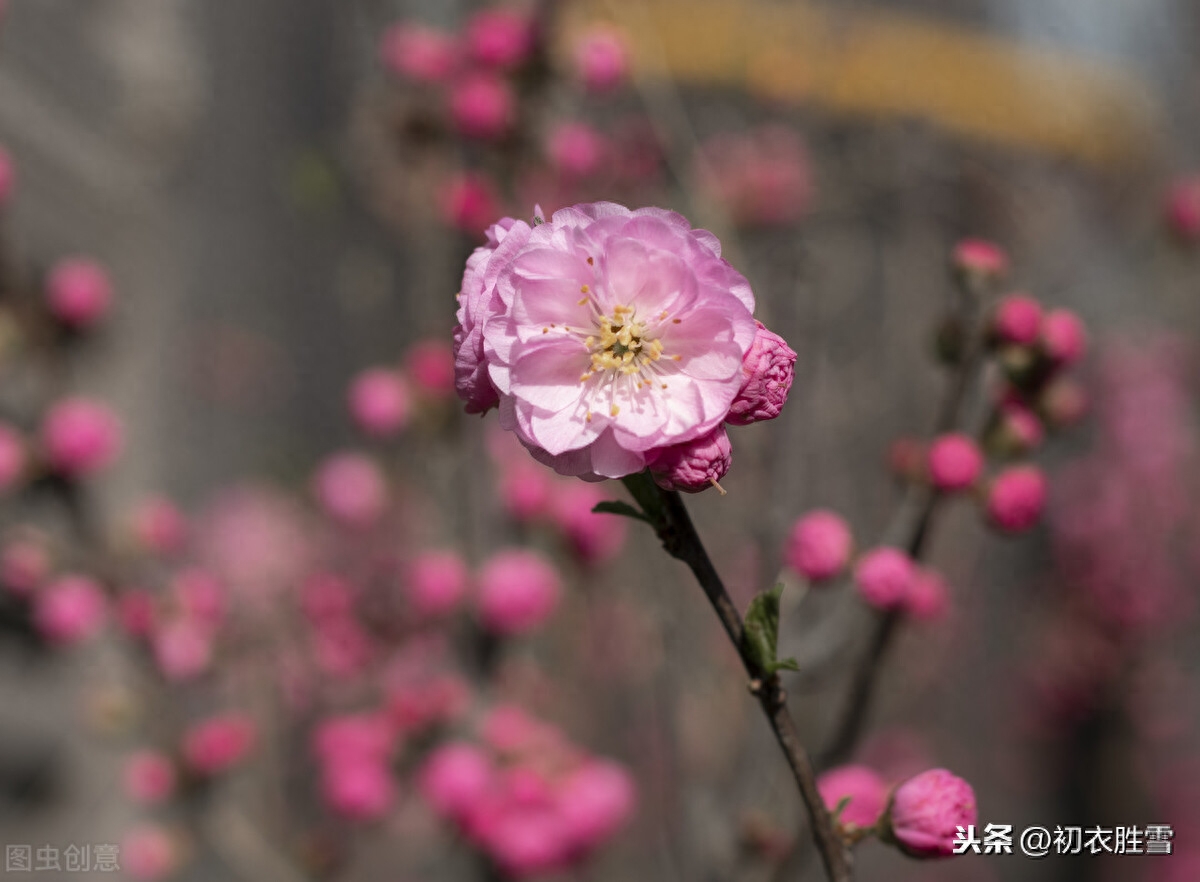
{"points": [[666, 511]]}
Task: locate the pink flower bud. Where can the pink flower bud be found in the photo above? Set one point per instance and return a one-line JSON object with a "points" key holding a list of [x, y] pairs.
{"points": [[70, 609], [24, 564], [80, 436], [419, 53], [693, 465], [501, 38], [1182, 209], [593, 537], [576, 150], [149, 777], [1016, 498], [528, 843], [351, 489], [430, 366], [509, 729], [136, 612], [379, 402], [819, 545], [928, 597], [13, 457], [1063, 402], [159, 526], [149, 853], [602, 59], [595, 800], [454, 779], [199, 596], [219, 743], [884, 577], [437, 583], [977, 257], [906, 458], [78, 292], [1064, 338], [8, 176], [182, 650], [518, 590], [469, 203], [955, 462], [1021, 427], [325, 597], [526, 490], [769, 367], [482, 106], [863, 786], [926, 810], [1017, 320], [357, 789]]}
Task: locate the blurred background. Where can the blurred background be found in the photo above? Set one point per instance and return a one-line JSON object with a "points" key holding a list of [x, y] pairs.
{"points": [[283, 194]]}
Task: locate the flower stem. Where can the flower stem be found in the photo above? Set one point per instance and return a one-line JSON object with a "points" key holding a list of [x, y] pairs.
{"points": [[666, 511]]}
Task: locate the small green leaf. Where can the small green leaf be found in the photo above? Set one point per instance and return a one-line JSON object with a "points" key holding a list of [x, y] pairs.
{"points": [[787, 664], [617, 507], [841, 807], [760, 638]]}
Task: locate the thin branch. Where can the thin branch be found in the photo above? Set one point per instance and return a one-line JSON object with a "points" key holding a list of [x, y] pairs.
{"points": [[680, 539]]}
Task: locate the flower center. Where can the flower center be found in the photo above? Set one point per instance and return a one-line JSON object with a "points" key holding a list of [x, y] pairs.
{"points": [[622, 344]]}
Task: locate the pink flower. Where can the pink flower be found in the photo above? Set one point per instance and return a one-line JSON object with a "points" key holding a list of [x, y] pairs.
{"points": [[136, 612], [618, 333], [148, 853], [159, 526], [955, 462], [482, 106], [182, 650], [863, 786], [351, 489], [501, 38], [455, 778], [509, 729], [417, 52], [977, 257], [13, 457], [1017, 320], [24, 564], [595, 800], [361, 737], [199, 596], [379, 402], [576, 149], [526, 490], [149, 777], [437, 582], [528, 843], [469, 202], [430, 366], [80, 436], [1063, 402], [518, 590], [761, 178], [926, 811], [70, 609], [8, 176], [693, 465], [1016, 498], [602, 58], [928, 597], [78, 292], [769, 368], [324, 597], [884, 577], [593, 537], [1064, 338], [1020, 426], [819, 545], [360, 790], [1182, 208], [219, 743]]}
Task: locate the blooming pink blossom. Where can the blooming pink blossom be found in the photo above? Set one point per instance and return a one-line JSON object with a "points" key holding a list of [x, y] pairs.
{"points": [[980, 258], [437, 582], [13, 457], [862, 786], [518, 590], [1064, 337], [78, 292], [926, 810], [1016, 498], [955, 462], [1182, 208], [8, 176], [70, 609], [454, 778], [769, 368], [530, 842], [358, 789], [617, 333], [1017, 320], [509, 729], [602, 58], [693, 465], [149, 852], [417, 52], [159, 526], [595, 800], [759, 179], [469, 202], [183, 649], [430, 366], [593, 537], [199, 595], [819, 545], [80, 436], [501, 38], [884, 577], [217, 744], [576, 149], [482, 106], [359, 736], [351, 489], [379, 402], [149, 777]]}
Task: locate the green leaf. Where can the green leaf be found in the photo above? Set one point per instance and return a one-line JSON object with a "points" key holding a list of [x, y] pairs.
{"points": [[760, 638], [617, 507], [841, 807]]}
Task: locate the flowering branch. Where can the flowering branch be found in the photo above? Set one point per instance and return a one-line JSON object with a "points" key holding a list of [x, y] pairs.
{"points": [[666, 512]]}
